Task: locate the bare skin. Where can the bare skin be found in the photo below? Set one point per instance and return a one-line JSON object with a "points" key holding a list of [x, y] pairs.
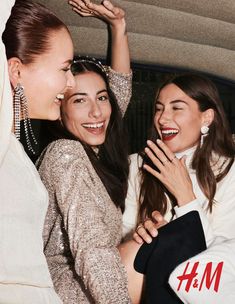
{"points": [[128, 251], [115, 17]]}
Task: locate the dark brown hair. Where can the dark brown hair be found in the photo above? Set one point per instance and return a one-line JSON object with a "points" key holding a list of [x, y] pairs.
{"points": [[218, 141], [27, 30], [111, 162]]}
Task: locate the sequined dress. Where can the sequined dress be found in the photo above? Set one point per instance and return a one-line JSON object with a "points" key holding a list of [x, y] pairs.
{"points": [[83, 226]]}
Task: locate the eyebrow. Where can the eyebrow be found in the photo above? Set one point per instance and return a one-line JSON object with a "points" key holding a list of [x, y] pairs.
{"points": [[172, 102], [85, 94]]}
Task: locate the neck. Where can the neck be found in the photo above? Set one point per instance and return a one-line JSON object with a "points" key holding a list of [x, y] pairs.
{"points": [[187, 152]]}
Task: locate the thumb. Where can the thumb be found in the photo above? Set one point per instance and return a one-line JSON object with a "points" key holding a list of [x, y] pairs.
{"points": [[156, 215], [183, 160]]}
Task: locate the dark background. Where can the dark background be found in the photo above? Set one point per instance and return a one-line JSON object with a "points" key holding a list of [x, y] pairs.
{"points": [[138, 116]]}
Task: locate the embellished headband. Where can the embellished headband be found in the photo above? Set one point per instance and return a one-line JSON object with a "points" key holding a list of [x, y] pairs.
{"points": [[92, 60]]}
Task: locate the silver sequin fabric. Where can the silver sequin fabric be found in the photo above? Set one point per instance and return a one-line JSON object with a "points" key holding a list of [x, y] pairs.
{"points": [[83, 226]]}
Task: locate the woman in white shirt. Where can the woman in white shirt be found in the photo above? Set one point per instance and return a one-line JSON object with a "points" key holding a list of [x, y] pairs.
{"points": [[192, 166], [37, 53]]}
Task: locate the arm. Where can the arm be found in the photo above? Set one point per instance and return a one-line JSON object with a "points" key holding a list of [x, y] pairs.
{"points": [[219, 223], [119, 74], [221, 256], [115, 17], [173, 174], [6, 103], [84, 205]]}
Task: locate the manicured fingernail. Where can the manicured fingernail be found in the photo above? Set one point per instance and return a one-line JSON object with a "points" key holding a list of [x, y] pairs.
{"points": [[159, 141], [154, 232]]}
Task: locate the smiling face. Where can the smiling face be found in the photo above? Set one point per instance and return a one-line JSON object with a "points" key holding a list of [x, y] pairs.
{"points": [[48, 76], [86, 110], [178, 119]]}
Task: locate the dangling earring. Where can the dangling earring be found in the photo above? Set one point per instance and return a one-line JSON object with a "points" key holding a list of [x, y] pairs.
{"points": [[17, 111], [204, 133], [21, 107]]}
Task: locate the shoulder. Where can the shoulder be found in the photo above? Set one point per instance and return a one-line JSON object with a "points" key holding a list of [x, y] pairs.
{"points": [[63, 152], [136, 162]]}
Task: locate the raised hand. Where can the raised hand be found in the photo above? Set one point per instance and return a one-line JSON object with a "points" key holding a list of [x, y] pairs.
{"points": [[115, 17], [172, 171], [105, 11]]}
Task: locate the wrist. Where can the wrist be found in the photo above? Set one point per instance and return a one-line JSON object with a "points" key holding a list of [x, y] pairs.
{"points": [[187, 198], [118, 27]]}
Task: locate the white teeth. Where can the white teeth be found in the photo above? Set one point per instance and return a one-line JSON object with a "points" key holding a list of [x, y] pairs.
{"points": [[60, 96], [95, 125], [169, 131]]}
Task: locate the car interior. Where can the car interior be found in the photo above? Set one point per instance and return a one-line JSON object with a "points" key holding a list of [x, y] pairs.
{"points": [[165, 37]]}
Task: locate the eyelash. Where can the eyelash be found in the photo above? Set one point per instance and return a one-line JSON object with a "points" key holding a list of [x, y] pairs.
{"points": [[177, 108], [103, 98], [66, 69], [174, 108], [82, 100], [79, 100]]}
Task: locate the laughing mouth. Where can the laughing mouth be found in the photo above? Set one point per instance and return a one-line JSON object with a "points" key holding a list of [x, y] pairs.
{"points": [[94, 125], [169, 133]]}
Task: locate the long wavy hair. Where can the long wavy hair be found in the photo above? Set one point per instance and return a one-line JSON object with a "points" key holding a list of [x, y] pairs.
{"points": [[111, 162], [218, 142]]}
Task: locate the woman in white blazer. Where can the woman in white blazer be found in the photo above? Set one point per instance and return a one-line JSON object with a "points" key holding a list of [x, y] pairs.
{"points": [[189, 168]]}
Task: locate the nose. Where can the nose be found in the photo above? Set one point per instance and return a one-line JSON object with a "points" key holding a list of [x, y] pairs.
{"points": [[164, 117], [95, 110], [70, 80]]}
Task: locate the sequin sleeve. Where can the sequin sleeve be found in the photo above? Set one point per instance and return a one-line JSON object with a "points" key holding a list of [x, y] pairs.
{"points": [[91, 220], [121, 85]]}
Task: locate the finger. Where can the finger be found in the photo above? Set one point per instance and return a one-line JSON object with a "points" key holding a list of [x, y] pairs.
{"points": [[152, 171], [160, 224], [137, 238], [156, 215], [144, 235], [159, 164], [108, 5], [80, 12], [101, 11], [183, 161], [87, 2], [169, 154], [79, 9], [115, 10], [160, 155], [78, 4], [150, 227]]}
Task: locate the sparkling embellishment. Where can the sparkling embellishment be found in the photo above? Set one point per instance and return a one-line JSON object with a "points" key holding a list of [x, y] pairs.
{"points": [[83, 226]]}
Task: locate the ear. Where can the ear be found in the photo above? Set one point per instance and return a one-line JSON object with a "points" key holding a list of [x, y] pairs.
{"points": [[208, 117], [14, 67]]}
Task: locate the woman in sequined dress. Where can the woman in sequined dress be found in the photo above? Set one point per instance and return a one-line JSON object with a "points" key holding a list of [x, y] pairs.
{"points": [[86, 175]]}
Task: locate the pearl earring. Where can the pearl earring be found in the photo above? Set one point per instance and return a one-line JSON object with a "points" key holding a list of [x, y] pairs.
{"points": [[204, 133], [204, 130]]}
